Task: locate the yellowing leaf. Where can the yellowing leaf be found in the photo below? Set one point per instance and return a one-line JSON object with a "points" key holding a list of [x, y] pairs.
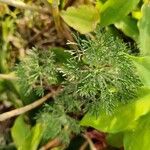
{"points": [[50, 1], [83, 18]]}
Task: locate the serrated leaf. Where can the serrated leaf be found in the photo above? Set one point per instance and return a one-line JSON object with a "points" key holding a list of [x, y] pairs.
{"points": [[114, 10], [138, 139], [128, 26], [144, 28], [123, 118], [83, 18]]}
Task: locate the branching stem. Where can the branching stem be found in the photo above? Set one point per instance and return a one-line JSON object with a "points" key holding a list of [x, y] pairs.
{"points": [[51, 144]]}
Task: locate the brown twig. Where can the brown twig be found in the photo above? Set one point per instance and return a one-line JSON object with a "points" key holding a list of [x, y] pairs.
{"points": [[27, 108], [22, 5], [38, 34], [84, 145], [90, 142], [10, 76], [51, 144]]}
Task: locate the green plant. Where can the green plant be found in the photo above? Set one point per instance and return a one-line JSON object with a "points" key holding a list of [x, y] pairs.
{"points": [[130, 122], [99, 75], [97, 80]]}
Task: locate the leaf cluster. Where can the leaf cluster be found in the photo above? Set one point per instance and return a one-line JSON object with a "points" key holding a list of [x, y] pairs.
{"points": [[36, 72], [101, 72], [97, 75]]}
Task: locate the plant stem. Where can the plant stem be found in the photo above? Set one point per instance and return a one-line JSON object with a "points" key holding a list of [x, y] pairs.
{"points": [[22, 5], [27, 108]]}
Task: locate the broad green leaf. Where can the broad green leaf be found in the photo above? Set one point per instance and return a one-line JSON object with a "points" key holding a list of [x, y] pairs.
{"points": [[122, 118], [114, 10], [115, 140], [24, 137], [20, 131], [36, 136], [144, 28], [138, 139], [128, 25], [83, 18], [33, 139], [143, 68]]}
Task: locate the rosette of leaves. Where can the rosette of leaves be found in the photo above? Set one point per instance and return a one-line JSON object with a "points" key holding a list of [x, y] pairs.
{"points": [[101, 73], [97, 75]]}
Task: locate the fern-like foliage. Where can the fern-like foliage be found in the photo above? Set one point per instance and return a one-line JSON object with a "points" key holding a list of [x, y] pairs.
{"points": [[57, 124], [101, 72], [97, 75], [37, 71]]}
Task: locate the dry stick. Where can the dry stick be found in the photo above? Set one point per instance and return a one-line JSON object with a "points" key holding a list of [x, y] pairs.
{"points": [[22, 5], [26, 108], [84, 145], [9, 76], [90, 142], [51, 144]]}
